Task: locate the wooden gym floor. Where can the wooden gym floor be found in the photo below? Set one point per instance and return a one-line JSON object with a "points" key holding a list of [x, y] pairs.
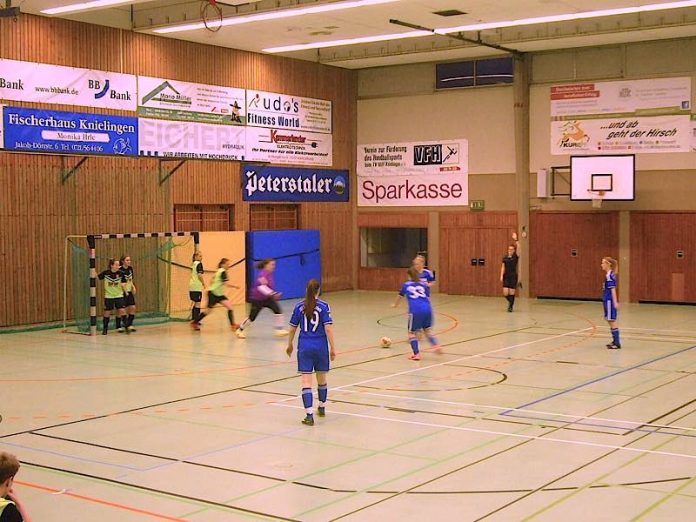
{"points": [[525, 416]]}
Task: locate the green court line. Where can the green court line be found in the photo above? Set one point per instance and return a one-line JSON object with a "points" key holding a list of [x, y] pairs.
{"points": [[666, 497], [139, 490], [596, 480]]}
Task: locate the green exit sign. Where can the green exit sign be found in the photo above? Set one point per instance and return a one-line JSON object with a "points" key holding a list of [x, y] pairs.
{"points": [[477, 204]]}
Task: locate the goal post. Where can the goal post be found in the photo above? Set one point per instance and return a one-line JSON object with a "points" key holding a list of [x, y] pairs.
{"points": [[152, 256]]}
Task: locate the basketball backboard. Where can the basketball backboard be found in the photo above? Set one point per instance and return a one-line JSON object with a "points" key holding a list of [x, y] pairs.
{"points": [[604, 177]]}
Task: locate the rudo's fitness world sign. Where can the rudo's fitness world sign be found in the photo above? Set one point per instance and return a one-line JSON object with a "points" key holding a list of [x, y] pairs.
{"points": [[57, 132], [279, 184], [413, 174]]}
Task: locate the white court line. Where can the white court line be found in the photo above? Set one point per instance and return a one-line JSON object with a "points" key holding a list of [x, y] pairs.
{"points": [[502, 433], [523, 410], [420, 368]]}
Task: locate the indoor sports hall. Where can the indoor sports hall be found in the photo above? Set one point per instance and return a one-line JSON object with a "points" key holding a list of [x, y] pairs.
{"points": [[347, 260]]}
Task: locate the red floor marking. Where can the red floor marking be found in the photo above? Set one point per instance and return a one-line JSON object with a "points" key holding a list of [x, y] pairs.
{"points": [[99, 501]]}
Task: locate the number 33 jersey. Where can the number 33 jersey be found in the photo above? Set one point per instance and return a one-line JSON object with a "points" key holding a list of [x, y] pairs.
{"points": [[312, 331], [418, 295]]}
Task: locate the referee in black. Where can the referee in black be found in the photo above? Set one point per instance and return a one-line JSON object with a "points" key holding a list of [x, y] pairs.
{"points": [[508, 272]]}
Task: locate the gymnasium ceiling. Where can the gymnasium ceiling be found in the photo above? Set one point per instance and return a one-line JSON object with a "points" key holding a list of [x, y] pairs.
{"points": [[151, 16]]}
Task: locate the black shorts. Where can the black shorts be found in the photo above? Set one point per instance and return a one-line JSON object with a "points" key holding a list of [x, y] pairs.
{"points": [[215, 299], [510, 281], [196, 297], [115, 303], [129, 299]]}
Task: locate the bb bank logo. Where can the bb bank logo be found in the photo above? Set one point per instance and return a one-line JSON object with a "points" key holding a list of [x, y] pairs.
{"points": [[573, 136], [103, 89]]}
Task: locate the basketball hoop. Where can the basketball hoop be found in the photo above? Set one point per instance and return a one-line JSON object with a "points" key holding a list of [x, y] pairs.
{"points": [[597, 197]]}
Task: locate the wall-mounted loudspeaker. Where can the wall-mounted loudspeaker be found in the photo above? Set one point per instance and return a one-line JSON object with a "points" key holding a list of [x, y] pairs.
{"points": [[543, 183]]}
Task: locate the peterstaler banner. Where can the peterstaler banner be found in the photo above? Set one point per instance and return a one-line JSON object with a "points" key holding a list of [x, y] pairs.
{"points": [[57, 132], [413, 174], [621, 135], [287, 147], [174, 139], [643, 116], [43, 83], [280, 111], [182, 101], [289, 185]]}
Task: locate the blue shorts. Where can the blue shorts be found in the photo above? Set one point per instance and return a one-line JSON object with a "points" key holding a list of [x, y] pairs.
{"points": [[610, 311], [420, 321], [313, 359]]}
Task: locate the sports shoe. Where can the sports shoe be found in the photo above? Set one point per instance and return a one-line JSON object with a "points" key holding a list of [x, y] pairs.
{"points": [[240, 334], [131, 329], [128, 331], [104, 332], [321, 411], [281, 333], [195, 325], [509, 308], [437, 348], [308, 420], [415, 357], [120, 329], [613, 346]]}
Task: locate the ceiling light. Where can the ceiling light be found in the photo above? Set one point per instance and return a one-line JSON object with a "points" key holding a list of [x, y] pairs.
{"points": [[84, 6], [274, 15], [347, 41], [567, 17]]}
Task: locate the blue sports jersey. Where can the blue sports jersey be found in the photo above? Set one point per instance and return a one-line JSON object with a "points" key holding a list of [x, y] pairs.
{"points": [[609, 283], [418, 295], [426, 276], [312, 331]]}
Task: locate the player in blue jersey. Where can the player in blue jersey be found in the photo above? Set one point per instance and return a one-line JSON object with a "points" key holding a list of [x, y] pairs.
{"points": [[420, 311], [425, 275], [610, 300], [315, 347]]}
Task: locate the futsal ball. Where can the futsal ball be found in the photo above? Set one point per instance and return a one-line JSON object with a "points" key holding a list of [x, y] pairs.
{"points": [[386, 342]]}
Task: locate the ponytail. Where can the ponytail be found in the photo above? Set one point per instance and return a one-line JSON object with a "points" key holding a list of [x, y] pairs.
{"points": [[262, 264], [613, 264], [413, 275], [310, 301]]}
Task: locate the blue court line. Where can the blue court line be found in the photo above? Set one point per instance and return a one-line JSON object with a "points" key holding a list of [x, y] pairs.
{"points": [[599, 379]]}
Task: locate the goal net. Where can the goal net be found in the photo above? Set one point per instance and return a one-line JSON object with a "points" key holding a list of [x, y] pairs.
{"points": [[160, 262]]}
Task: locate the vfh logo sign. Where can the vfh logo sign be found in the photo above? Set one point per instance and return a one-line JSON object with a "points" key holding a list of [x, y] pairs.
{"points": [[103, 89], [437, 154]]}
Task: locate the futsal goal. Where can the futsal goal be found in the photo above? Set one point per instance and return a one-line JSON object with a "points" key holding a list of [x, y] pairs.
{"points": [[160, 260]]}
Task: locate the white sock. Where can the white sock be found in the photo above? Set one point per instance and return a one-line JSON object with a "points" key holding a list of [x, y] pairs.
{"points": [[280, 321]]}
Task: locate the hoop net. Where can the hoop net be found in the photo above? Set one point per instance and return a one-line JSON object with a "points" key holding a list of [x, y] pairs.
{"points": [[597, 197]]}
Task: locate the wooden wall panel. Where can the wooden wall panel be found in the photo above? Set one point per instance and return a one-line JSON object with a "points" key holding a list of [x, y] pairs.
{"points": [[656, 272], [392, 220], [381, 278], [554, 272], [124, 195]]}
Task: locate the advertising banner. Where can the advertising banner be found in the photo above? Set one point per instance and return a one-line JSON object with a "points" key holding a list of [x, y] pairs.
{"points": [[693, 132], [282, 184], [288, 147], [183, 101], [613, 136], [621, 116], [280, 111], [413, 174], [174, 139], [57, 132], [43, 83]]}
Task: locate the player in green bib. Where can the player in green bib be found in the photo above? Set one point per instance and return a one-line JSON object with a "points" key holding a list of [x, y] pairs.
{"points": [[216, 294], [114, 289], [128, 296], [196, 285], [11, 508]]}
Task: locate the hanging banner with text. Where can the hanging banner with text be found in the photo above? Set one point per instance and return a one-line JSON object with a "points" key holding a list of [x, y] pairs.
{"points": [[655, 134], [693, 132], [280, 111], [288, 185], [57, 132], [174, 139], [183, 101], [43, 83], [288, 147], [644, 116], [413, 174]]}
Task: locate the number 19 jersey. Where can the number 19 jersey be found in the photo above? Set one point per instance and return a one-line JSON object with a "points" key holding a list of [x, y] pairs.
{"points": [[312, 331]]}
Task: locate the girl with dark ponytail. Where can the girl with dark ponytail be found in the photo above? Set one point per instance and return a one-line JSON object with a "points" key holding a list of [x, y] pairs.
{"points": [[263, 295], [315, 347]]}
